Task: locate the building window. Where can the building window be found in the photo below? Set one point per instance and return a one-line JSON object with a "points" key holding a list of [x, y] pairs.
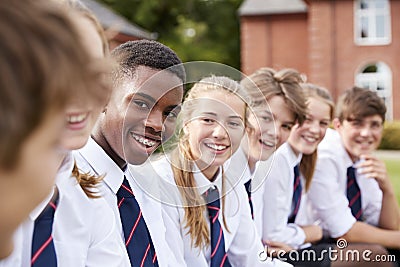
{"points": [[372, 22], [378, 77]]}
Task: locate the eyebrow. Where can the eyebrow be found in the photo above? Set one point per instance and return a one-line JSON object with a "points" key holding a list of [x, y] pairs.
{"points": [[148, 97], [215, 115]]}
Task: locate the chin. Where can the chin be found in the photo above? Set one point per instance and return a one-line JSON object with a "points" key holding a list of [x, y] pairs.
{"points": [[74, 144]]}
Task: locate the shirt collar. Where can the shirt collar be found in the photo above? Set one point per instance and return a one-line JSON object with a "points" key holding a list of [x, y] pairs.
{"points": [[204, 184], [66, 167], [293, 159], [102, 164]]}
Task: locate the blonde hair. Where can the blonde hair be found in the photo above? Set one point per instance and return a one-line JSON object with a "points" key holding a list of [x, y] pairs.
{"points": [[182, 159], [308, 162]]}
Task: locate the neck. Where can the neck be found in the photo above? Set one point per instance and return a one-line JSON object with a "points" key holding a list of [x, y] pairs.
{"points": [[211, 173], [101, 140]]}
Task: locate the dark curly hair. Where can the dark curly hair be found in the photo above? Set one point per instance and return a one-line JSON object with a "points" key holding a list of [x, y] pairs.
{"points": [[147, 53]]}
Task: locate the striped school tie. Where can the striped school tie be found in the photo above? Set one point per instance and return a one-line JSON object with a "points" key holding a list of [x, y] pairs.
{"points": [[353, 194], [297, 189], [137, 237], [43, 252], [219, 257], [247, 185]]}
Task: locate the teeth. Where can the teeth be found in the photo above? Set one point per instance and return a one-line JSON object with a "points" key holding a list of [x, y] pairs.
{"points": [[266, 143], [310, 139], [76, 118], [216, 147], [144, 141]]}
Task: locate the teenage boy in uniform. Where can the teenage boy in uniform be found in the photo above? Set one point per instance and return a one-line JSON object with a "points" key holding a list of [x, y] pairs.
{"points": [[140, 116], [351, 192]]}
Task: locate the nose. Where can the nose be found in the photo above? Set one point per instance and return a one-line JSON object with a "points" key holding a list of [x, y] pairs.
{"points": [[314, 127], [219, 131], [155, 120], [365, 131]]}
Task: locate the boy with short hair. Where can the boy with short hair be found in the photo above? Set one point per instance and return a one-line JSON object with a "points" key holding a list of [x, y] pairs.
{"points": [[140, 116], [351, 192]]}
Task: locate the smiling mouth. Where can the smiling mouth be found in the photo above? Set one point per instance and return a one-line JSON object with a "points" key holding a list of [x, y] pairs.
{"points": [[310, 139], [73, 119], [267, 143], [217, 147], [148, 142]]}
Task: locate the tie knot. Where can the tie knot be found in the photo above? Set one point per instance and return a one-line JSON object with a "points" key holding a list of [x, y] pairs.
{"points": [[351, 172], [213, 202], [247, 185], [296, 171], [125, 190], [48, 212]]}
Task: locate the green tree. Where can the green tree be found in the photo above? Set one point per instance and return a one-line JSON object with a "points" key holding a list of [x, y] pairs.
{"points": [[205, 30]]}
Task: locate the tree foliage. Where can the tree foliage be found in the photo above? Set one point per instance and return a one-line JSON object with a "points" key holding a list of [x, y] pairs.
{"points": [[206, 30]]}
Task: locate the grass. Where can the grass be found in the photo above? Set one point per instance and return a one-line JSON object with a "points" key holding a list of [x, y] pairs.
{"points": [[393, 168]]}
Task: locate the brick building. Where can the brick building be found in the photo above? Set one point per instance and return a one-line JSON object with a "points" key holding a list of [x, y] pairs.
{"points": [[335, 43]]}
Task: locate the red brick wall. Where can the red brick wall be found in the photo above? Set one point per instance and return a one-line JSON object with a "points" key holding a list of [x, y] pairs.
{"points": [[274, 41]]}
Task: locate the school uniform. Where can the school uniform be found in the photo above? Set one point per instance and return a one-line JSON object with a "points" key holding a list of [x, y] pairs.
{"points": [[92, 158], [242, 244], [83, 231], [237, 169], [275, 200], [328, 189]]}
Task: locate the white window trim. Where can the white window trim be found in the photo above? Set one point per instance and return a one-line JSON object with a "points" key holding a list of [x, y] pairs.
{"points": [[374, 77], [371, 40]]}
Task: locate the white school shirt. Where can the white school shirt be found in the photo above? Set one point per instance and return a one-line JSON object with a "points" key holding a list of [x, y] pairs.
{"points": [[92, 158], [84, 232], [237, 169], [15, 258], [276, 203], [328, 189], [242, 243]]}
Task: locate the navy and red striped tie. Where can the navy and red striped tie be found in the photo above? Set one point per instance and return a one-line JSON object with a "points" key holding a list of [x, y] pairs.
{"points": [[247, 185], [137, 237], [297, 190], [43, 252], [219, 258], [353, 194]]}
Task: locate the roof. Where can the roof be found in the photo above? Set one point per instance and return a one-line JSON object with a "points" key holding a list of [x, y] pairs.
{"points": [[269, 7], [110, 19]]}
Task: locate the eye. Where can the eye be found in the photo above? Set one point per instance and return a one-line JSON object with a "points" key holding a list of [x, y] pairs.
{"points": [[171, 115], [376, 125], [267, 118], [207, 120], [287, 127], [324, 123], [234, 124], [140, 104]]}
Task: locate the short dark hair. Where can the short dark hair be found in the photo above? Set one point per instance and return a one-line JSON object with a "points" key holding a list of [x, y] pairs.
{"points": [[147, 53], [358, 103]]}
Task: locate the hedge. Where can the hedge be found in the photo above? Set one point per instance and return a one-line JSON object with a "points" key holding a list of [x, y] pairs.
{"points": [[391, 136]]}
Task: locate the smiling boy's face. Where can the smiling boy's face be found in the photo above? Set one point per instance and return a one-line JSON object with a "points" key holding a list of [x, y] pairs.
{"points": [[360, 136], [142, 113]]}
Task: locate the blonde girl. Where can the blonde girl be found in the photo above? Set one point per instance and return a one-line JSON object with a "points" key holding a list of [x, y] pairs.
{"points": [[207, 219]]}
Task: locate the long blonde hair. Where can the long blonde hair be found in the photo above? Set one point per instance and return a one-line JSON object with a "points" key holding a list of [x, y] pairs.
{"points": [[182, 159], [307, 164]]}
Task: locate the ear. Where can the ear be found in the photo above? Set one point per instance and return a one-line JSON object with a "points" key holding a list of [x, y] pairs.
{"points": [[336, 123]]}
